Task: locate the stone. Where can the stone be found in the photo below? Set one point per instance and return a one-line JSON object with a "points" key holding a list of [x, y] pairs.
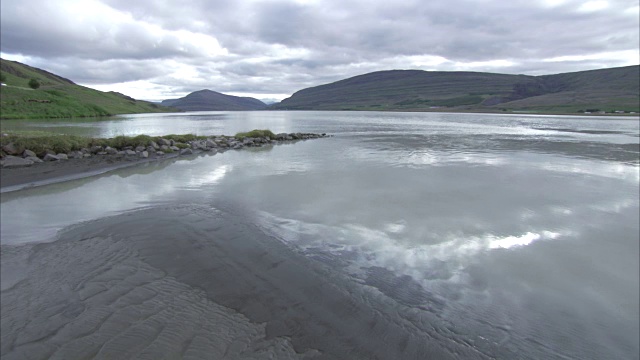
{"points": [[111, 151], [144, 154], [15, 162], [174, 148], [87, 155], [28, 153], [164, 142], [75, 155], [95, 149], [164, 148], [159, 153], [50, 157], [10, 149], [129, 152], [151, 149], [154, 145], [140, 148], [186, 151], [35, 159], [62, 156], [210, 143]]}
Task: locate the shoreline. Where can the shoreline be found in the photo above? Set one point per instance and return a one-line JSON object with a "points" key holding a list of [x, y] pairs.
{"points": [[62, 170]]}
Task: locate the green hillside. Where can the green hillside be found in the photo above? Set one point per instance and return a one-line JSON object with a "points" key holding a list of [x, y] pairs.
{"points": [[609, 90], [57, 97]]}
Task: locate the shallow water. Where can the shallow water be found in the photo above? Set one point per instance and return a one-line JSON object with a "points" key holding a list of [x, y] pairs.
{"points": [[486, 235]]}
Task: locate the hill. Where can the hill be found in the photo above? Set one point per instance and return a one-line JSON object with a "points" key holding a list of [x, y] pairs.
{"points": [[208, 100], [58, 97], [416, 90]]}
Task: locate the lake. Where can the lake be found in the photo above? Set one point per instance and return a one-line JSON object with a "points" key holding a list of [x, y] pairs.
{"points": [[403, 235]]}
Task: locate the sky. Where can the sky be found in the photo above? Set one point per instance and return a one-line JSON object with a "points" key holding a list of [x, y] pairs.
{"points": [[268, 49]]}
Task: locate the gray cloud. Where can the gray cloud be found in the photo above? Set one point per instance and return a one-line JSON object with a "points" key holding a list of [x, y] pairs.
{"points": [[280, 46]]}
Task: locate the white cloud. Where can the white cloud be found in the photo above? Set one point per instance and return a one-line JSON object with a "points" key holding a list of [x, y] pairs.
{"points": [[281, 46]]}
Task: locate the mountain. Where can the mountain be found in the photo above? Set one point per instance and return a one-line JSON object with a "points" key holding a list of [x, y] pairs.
{"points": [[57, 97], [208, 100], [416, 90]]}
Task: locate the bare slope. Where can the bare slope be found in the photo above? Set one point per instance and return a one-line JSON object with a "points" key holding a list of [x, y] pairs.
{"points": [[204, 100], [605, 89]]}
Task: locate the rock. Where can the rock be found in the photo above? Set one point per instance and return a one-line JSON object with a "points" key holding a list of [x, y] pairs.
{"points": [[62, 156], [164, 142], [144, 154], [10, 149], [102, 153], [15, 162], [87, 155], [49, 152], [35, 159], [28, 153], [186, 151], [210, 143], [129, 152], [159, 153], [50, 157], [151, 149], [75, 155], [111, 151], [164, 148], [174, 148], [281, 136], [95, 149], [154, 145], [140, 148]]}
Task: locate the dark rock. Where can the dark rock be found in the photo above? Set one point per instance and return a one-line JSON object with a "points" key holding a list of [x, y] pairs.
{"points": [[186, 151], [62, 156], [129, 152], [28, 153], [50, 157], [144, 154], [164, 142], [95, 149], [10, 149], [35, 159], [111, 151]]}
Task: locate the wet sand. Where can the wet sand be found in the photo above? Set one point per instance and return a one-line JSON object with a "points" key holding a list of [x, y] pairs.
{"points": [[12, 179], [197, 282]]}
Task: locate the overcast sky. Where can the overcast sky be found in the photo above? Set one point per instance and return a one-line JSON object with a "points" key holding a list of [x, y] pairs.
{"points": [[162, 49]]}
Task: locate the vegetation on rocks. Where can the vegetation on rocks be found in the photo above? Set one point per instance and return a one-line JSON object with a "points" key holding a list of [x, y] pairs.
{"points": [[256, 134]]}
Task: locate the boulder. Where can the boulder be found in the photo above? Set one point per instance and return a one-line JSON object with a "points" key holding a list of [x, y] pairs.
{"points": [[164, 142], [174, 148], [50, 157], [151, 149], [144, 154], [154, 145], [186, 151], [10, 149], [129, 152], [35, 159], [140, 148], [62, 156], [210, 143], [95, 149], [111, 151], [14, 162], [159, 153], [28, 153]]}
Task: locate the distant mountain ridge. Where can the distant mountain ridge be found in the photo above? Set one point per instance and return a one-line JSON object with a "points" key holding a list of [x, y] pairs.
{"points": [[208, 100], [416, 90]]}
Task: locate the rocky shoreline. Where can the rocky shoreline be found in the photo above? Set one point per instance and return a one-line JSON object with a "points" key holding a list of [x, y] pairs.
{"points": [[27, 169]]}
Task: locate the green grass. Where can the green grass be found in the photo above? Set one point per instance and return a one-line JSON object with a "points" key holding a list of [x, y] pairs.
{"points": [[60, 98], [256, 133]]}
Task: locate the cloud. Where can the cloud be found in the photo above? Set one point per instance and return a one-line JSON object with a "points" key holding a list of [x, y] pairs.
{"points": [[276, 47]]}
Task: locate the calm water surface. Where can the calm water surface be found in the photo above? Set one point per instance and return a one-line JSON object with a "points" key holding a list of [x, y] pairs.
{"points": [[518, 235]]}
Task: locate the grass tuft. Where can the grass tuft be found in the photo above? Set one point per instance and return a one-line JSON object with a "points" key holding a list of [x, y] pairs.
{"points": [[255, 134]]}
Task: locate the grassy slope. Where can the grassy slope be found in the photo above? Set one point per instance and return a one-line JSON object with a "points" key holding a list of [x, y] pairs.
{"points": [[214, 101], [606, 89], [58, 97]]}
